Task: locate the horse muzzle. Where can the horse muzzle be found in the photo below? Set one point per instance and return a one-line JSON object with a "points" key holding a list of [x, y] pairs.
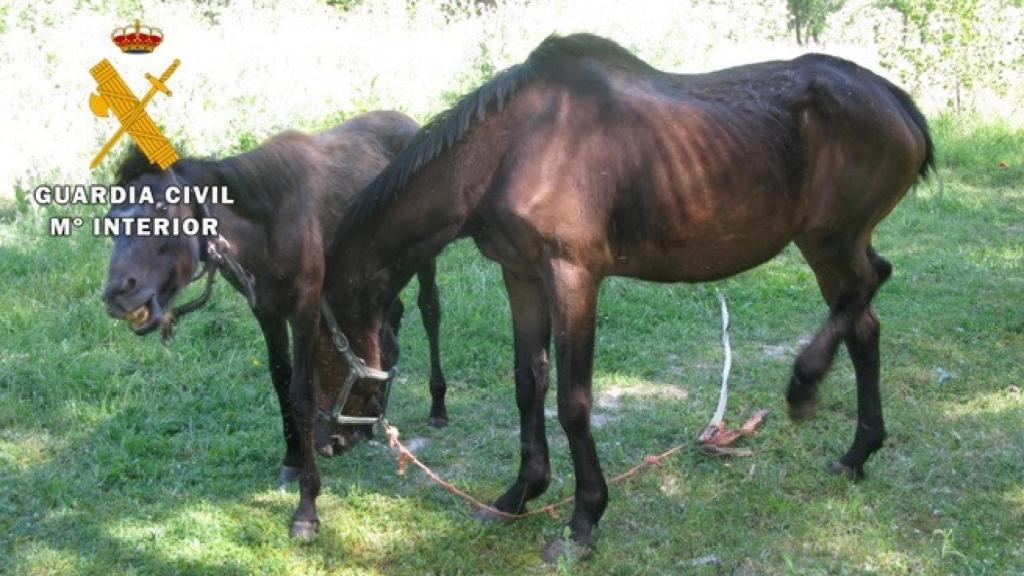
{"points": [[342, 440], [142, 318]]}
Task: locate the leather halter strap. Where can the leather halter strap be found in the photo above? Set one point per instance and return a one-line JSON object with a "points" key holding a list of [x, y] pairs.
{"points": [[217, 255], [357, 370]]}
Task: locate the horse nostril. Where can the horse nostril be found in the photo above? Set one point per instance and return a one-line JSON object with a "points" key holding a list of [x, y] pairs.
{"points": [[115, 289], [326, 449]]}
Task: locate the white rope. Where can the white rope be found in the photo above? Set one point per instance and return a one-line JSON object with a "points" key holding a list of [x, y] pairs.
{"points": [[723, 396]]}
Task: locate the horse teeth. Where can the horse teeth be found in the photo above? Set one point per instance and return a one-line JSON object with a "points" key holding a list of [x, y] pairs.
{"points": [[138, 316]]}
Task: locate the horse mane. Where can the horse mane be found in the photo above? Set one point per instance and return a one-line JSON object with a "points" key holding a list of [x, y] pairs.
{"points": [[448, 127], [134, 164], [556, 49], [257, 179]]}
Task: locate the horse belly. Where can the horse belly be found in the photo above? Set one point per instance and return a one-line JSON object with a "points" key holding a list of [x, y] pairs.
{"points": [[700, 199], [680, 248], [697, 262]]}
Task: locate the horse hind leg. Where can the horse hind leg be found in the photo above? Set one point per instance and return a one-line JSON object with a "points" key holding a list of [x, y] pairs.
{"points": [[882, 266], [430, 310], [848, 280], [816, 358], [862, 344], [573, 293], [275, 333]]}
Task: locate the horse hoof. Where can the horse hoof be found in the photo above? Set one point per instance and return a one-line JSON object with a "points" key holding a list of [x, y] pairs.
{"points": [[802, 413], [802, 400], [839, 469], [485, 515], [287, 475], [304, 530], [436, 422], [803, 410], [568, 549]]}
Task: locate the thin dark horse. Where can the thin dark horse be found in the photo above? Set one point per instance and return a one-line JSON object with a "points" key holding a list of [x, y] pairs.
{"points": [[584, 162], [289, 196]]}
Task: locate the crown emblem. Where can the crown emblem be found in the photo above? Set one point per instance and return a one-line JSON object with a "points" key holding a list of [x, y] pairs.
{"points": [[137, 39]]}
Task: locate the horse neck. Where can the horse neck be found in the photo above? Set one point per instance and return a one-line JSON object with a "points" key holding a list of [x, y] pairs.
{"points": [[247, 236], [373, 262]]}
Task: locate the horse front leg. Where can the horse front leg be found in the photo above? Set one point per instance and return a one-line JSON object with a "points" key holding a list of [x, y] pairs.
{"points": [[305, 326], [275, 333], [572, 297], [531, 329]]}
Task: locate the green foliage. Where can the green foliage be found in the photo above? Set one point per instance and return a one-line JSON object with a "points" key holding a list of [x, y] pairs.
{"points": [[808, 18], [344, 5], [959, 44], [414, 56], [468, 8]]}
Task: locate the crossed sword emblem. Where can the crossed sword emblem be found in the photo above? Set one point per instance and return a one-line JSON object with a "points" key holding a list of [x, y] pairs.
{"points": [[114, 95]]}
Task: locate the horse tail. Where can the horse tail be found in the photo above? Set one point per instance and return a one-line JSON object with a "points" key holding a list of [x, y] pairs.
{"points": [[919, 121]]}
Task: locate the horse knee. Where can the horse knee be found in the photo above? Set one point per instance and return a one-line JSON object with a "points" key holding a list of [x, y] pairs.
{"points": [[574, 412], [430, 305], [867, 328]]}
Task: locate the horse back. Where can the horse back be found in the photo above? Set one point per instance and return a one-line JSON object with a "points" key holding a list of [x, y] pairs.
{"points": [[668, 177], [350, 155]]}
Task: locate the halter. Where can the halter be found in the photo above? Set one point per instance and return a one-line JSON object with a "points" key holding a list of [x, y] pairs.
{"points": [[218, 255], [357, 370]]}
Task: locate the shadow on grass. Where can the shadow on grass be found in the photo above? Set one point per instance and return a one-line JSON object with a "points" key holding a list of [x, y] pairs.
{"points": [[80, 504], [688, 509], [163, 459]]}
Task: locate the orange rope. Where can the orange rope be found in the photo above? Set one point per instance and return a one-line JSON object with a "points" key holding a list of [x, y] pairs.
{"points": [[403, 455], [714, 440]]}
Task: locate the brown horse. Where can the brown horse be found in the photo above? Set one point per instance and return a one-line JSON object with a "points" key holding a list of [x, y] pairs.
{"points": [[584, 162], [289, 195]]}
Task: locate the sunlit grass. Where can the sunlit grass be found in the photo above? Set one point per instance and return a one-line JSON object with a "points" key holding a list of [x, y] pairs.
{"points": [[121, 455]]}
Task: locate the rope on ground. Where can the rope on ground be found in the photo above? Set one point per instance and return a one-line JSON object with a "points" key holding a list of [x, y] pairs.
{"points": [[723, 395], [715, 439], [405, 456]]}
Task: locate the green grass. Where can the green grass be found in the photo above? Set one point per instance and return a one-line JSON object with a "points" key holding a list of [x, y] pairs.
{"points": [[121, 455]]}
